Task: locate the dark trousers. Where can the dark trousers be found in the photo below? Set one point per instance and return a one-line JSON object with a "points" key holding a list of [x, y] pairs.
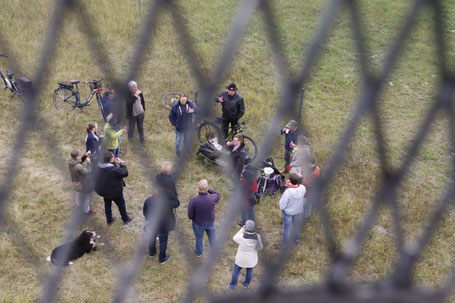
{"points": [[163, 246], [120, 201], [226, 122], [139, 120], [287, 158], [247, 214]]}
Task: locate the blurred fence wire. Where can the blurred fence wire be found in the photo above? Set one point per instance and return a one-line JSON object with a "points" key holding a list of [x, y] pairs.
{"points": [[399, 286]]}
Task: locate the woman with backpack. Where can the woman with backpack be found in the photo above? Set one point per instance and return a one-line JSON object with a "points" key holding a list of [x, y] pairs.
{"points": [[247, 254]]}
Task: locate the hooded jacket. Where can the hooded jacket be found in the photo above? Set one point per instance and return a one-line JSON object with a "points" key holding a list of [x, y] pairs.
{"points": [[291, 201], [249, 244], [233, 106], [176, 116], [109, 182], [111, 136], [81, 173]]}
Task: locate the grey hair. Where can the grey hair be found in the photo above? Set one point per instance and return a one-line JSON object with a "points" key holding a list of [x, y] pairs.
{"points": [[132, 83]]}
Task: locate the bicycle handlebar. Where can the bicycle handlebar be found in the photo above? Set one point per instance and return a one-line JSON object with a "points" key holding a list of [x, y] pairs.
{"points": [[93, 81]]}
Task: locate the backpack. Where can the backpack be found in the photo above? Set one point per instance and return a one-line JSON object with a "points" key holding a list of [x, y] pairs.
{"points": [[209, 151]]}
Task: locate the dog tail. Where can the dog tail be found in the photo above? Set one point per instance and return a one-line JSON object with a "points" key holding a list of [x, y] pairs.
{"points": [[48, 259]]}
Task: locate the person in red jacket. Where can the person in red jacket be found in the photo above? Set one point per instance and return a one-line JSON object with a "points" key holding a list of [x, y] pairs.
{"points": [[313, 172], [249, 186]]}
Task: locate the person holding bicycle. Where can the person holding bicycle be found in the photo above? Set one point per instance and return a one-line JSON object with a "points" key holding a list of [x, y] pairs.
{"points": [[233, 107], [135, 111], [181, 117]]}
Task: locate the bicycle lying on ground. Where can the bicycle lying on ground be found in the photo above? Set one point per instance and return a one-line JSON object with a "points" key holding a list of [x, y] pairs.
{"points": [[67, 98], [207, 130], [10, 83]]}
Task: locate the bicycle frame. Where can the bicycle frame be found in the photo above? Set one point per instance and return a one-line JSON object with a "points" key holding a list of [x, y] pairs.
{"points": [[96, 91]]}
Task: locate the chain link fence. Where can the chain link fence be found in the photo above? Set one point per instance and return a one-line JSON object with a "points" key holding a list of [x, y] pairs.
{"points": [[399, 286]]}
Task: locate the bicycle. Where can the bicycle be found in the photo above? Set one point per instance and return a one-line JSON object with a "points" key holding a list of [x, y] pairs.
{"points": [[170, 98], [208, 130], [67, 98], [10, 83]]}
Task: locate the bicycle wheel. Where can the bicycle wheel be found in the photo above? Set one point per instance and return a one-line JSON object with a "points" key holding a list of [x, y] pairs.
{"points": [[65, 99], [169, 99], [17, 88], [250, 147], [208, 130]]}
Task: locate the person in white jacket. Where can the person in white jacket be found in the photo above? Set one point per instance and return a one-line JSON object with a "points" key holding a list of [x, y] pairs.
{"points": [[292, 205], [247, 253]]}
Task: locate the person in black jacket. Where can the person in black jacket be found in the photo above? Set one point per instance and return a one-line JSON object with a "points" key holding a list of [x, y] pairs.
{"points": [[233, 107], [166, 220], [181, 117], [135, 111], [109, 185], [237, 155]]}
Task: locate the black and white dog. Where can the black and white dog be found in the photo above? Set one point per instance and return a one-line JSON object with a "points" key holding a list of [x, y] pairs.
{"points": [[85, 243]]}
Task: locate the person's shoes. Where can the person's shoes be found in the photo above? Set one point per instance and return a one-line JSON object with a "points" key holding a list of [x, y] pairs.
{"points": [[199, 256], [230, 287], [168, 256], [151, 256], [240, 224], [113, 219], [130, 218], [91, 212], [245, 285]]}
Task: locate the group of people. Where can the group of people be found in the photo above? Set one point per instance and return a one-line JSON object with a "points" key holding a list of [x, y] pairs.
{"points": [[101, 170]]}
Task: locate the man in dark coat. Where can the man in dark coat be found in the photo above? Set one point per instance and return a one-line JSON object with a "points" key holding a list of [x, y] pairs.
{"points": [[166, 221], [181, 117], [292, 133], [109, 185], [237, 155], [233, 107]]}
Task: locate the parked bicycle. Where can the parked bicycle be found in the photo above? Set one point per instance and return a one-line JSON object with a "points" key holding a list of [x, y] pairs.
{"points": [[67, 98], [170, 98], [10, 83], [208, 130]]}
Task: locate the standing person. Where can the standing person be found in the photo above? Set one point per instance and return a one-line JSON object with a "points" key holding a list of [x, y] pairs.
{"points": [[109, 185], [201, 210], [291, 205], [181, 117], [237, 155], [233, 107], [112, 136], [135, 111], [300, 154], [166, 222], [247, 253], [311, 173], [165, 181], [249, 187], [107, 102], [292, 132], [93, 142], [82, 179]]}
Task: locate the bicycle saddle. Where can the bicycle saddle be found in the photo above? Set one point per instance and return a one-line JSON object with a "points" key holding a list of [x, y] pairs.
{"points": [[75, 81], [10, 74]]}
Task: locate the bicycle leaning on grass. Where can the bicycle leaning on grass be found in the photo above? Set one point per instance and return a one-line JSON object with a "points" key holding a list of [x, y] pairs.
{"points": [[10, 83], [67, 98]]}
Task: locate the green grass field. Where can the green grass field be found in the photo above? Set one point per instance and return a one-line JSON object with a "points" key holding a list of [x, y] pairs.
{"points": [[41, 201]]}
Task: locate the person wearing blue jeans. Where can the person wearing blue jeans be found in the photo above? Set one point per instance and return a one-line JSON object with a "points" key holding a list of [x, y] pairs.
{"points": [[199, 235], [292, 206], [201, 210], [181, 117], [247, 254]]}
